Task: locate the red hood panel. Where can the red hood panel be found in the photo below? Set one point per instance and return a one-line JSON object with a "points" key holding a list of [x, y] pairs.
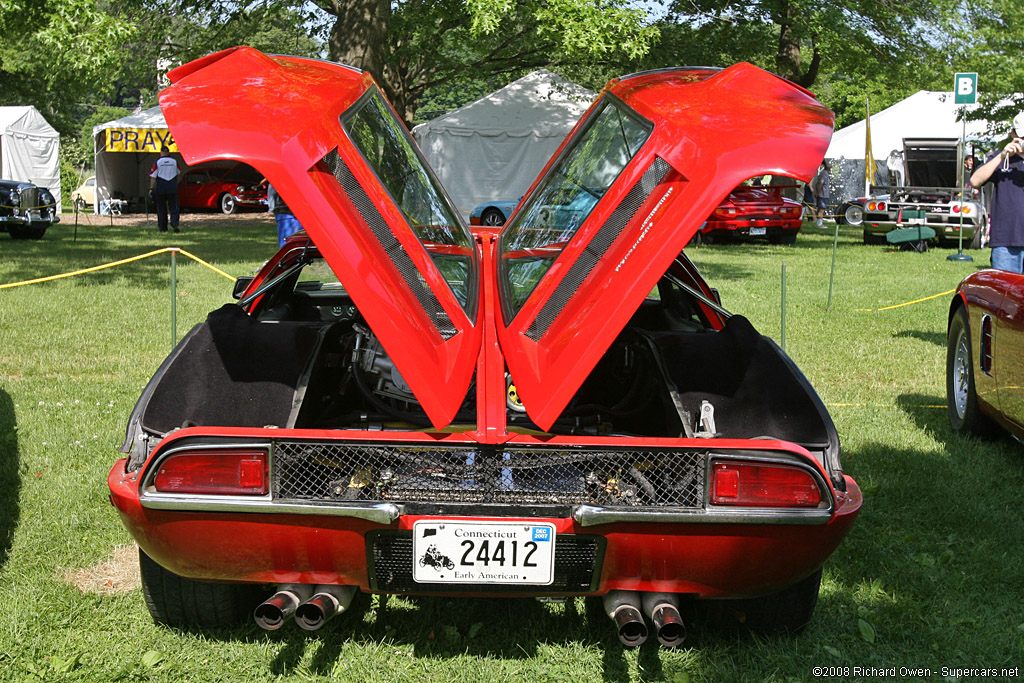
{"points": [[711, 131], [281, 116]]}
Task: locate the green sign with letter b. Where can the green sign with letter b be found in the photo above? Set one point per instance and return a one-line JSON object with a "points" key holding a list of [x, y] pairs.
{"points": [[965, 88]]}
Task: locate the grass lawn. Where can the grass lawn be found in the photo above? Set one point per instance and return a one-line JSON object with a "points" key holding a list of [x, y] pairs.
{"points": [[931, 576]]}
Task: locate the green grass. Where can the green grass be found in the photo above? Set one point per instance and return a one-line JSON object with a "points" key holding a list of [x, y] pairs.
{"points": [[931, 575]]}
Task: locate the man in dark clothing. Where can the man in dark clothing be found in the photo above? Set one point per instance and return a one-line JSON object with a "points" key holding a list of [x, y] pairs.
{"points": [[163, 187], [1005, 170]]}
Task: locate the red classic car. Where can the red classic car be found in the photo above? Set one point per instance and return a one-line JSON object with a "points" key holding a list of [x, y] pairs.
{"points": [[755, 212], [223, 188], [985, 354], [397, 405]]}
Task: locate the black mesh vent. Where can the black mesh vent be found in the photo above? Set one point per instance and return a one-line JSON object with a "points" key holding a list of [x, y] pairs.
{"points": [[598, 247], [390, 243], [349, 472], [577, 563]]}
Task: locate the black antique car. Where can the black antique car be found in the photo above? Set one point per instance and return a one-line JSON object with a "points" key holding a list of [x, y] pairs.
{"points": [[26, 211]]}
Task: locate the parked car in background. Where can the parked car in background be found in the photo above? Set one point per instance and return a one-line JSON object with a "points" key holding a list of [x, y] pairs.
{"points": [[930, 197], [222, 188], [755, 212], [395, 405], [493, 214], [984, 351], [85, 194], [26, 211]]}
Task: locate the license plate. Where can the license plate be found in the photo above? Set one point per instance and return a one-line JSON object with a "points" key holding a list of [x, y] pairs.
{"points": [[446, 551], [758, 231]]}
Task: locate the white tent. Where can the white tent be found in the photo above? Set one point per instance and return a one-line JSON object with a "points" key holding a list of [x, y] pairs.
{"points": [[495, 147], [125, 150], [29, 148], [925, 114]]}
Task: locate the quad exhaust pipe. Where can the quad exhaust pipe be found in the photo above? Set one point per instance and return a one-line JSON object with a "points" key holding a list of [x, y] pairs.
{"points": [[311, 605], [327, 601], [663, 611], [272, 613], [627, 610], [623, 607]]}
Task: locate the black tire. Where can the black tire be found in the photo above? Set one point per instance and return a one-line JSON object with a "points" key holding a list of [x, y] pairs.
{"points": [[227, 204], [492, 217], [176, 601], [851, 214], [788, 611], [961, 398], [36, 231], [870, 238], [784, 238]]}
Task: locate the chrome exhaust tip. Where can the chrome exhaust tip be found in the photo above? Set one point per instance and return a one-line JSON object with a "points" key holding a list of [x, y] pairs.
{"points": [[663, 611], [623, 607], [327, 601], [271, 614]]}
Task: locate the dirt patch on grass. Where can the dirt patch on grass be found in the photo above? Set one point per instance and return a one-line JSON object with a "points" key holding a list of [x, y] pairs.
{"points": [[119, 573], [187, 219]]}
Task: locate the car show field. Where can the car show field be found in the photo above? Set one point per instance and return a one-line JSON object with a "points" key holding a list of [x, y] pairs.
{"points": [[928, 577]]}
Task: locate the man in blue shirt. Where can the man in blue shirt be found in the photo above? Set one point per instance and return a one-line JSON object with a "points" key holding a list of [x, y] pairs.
{"points": [[1005, 170]]}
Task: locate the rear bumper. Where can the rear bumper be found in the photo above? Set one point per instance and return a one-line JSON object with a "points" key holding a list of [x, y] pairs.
{"points": [[755, 228], [700, 556]]}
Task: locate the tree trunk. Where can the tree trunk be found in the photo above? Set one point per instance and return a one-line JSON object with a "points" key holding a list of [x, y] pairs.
{"points": [[788, 59], [359, 35]]}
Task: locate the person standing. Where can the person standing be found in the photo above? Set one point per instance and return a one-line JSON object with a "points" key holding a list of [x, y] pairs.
{"points": [[163, 187], [287, 223], [822, 192], [1004, 169]]}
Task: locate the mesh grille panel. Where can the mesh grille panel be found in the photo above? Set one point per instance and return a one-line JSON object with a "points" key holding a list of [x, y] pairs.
{"points": [[597, 248], [394, 249], [324, 472], [576, 561]]}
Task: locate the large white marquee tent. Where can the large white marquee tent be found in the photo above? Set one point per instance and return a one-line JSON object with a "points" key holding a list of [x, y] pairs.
{"points": [[495, 147], [925, 114], [29, 148]]}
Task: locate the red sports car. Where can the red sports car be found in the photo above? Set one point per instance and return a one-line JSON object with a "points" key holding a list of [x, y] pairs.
{"points": [[396, 405], [223, 188], [752, 212], [984, 364]]}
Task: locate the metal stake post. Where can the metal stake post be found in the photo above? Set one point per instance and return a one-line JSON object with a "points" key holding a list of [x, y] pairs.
{"points": [[783, 304], [960, 255], [832, 274], [174, 296]]}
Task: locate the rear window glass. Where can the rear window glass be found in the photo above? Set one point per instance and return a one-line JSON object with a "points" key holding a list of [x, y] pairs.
{"points": [[565, 197]]}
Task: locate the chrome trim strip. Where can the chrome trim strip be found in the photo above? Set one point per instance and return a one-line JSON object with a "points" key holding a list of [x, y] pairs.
{"points": [[589, 515], [380, 513]]}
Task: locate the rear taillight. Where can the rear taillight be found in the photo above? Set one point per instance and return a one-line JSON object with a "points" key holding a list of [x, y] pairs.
{"points": [[725, 212], [763, 485], [224, 472]]}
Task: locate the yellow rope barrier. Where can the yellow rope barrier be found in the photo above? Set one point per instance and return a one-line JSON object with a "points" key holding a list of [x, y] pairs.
{"points": [[114, 264], [201, 261], [916, 301]]}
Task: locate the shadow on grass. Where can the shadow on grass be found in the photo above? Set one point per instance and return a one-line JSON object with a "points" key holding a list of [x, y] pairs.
{"points": [[936, 546], [217, 243], [937, 338], [10, 481]]}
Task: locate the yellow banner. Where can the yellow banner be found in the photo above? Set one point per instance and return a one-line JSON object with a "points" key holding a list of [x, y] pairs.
{"points": [[139, 140]]}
